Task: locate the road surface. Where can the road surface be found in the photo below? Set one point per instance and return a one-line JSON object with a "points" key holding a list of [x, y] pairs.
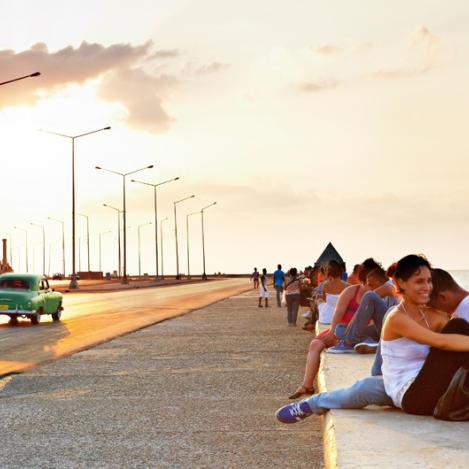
{"points": [[93, 318]]}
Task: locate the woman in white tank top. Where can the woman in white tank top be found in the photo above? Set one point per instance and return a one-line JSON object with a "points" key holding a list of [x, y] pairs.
{"points": [[421, 349]]}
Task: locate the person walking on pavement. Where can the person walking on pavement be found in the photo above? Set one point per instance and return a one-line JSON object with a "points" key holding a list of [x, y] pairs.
{"points": [[292, 295], [279, 282], [255, 278], [263, 291]]}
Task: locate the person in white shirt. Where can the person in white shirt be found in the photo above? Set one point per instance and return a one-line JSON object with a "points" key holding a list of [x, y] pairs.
{"points": [[448, 296]]}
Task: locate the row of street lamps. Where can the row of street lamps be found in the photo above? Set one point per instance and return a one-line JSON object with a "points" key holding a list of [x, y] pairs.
{"points": [[73, 282]]}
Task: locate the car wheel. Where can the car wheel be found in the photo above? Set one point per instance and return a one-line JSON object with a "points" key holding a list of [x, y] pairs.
{"points": [[13, 321], [36, 318], [58, 314]]}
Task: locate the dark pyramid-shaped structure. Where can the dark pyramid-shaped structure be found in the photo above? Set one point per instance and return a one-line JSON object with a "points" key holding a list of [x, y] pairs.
{"points": [[329, 254]]}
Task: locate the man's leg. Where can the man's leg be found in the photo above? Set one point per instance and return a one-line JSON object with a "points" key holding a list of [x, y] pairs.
{"points": [[367, 391], [278, 294], [371, 307]]}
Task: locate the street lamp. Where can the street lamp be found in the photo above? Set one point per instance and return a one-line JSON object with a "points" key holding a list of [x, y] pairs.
{"points": [[204, 275], [43, 245], [125, 280], [87, 237], [119, 211], [26, 234], [35, 74], [187, 230], [63, 241], [100, 234], [139, 257], [161, 238], [73, 282], [156, 215], [176, 233]]}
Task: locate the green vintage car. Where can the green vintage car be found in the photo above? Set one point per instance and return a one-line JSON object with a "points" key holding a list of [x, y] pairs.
{"points": [[28, 296]]}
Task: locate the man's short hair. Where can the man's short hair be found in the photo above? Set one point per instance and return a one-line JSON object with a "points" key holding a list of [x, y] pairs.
{"points": [[379, 272], [442, 281]]}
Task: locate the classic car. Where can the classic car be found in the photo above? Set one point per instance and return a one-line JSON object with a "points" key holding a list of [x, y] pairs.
{"points": [[28, 296]]}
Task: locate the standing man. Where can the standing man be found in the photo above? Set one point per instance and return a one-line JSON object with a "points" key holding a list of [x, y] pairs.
{"points": [[279, 283], [255, 278]]}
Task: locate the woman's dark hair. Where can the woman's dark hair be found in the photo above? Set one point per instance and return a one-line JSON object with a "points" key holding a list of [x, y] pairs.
{"points": [[366, 267], [410, 265], [391, 270], [264, 271], [334, 269], [356, 268], [293, 271]]}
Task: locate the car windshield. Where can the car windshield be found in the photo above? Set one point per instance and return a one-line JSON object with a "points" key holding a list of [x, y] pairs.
{"points": [[14, 283]]}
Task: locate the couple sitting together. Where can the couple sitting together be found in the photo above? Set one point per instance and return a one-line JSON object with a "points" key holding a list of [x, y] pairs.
{"points": [[421, 348]]}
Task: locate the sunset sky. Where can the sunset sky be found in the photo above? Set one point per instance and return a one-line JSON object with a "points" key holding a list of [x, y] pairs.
{"points": [[307, 122]]}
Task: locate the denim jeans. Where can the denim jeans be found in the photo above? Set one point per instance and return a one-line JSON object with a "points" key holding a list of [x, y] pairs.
{"points": [[293, 304], [367, 391], [278, 291], [372, 307]]}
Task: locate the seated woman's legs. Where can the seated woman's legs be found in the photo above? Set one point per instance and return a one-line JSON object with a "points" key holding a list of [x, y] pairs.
{"points": [[436, 373]]}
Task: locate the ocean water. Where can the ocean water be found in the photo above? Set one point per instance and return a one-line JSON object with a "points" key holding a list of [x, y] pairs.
{"points": [[462, 277]]}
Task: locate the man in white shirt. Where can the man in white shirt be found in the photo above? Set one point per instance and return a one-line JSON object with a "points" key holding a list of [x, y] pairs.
{"points": [[448, 296]]}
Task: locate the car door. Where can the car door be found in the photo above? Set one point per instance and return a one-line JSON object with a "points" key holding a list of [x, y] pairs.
{"points": [[44, 291]]}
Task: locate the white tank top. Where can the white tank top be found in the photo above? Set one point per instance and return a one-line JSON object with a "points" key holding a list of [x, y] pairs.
{"points": [[326, 310], [402, 361]]}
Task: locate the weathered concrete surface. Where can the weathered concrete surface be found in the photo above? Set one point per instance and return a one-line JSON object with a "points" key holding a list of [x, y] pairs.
{"points": [[196, 391], [383, 437]]}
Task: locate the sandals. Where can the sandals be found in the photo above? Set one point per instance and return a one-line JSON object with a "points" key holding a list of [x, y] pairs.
{"points": [[304, 391]]}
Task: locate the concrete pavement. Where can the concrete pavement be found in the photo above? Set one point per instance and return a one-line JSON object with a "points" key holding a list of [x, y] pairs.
{"points": [[199, 390]]}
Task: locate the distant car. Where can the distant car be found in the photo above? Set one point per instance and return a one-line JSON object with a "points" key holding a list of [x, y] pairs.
{"points": [[58, 276], [28, 296]]}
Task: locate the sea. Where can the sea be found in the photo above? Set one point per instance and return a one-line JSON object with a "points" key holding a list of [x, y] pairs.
{"points": [[462, 277]]}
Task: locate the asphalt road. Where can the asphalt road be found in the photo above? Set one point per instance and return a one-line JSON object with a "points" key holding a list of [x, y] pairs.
{"points": [[93, 318]]}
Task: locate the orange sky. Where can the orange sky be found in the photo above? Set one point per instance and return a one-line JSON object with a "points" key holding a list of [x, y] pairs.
{"points": [[307, 124]]}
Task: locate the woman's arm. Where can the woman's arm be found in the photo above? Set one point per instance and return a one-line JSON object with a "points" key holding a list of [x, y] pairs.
{"points": [[400, 325]]}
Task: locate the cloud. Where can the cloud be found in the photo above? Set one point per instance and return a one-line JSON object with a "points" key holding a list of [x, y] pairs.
{"points": [[328, 50], [142, 95], [214, 67], [403, 58], [66, 66], [316, 87], [164, 54]]}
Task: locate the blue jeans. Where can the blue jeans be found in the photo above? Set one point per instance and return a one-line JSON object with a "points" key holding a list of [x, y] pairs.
{"points": [[367, 391], [372, 307], [293, 304], [278, 291]]}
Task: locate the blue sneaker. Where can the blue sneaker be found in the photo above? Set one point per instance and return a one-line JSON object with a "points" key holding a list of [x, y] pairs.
{"points": [[293, 413], [341, 347]]}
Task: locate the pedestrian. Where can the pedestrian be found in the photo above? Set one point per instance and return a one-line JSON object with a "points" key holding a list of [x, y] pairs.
{"points": [[292, 295], [255, 278], [279, 282], [263, 290]]}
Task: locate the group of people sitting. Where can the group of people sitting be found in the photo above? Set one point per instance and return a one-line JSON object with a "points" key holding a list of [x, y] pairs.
{"points": [[413, 316]]}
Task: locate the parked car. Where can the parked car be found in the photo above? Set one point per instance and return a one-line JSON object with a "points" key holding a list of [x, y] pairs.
{"points": [[58, 276], [28, 296]]}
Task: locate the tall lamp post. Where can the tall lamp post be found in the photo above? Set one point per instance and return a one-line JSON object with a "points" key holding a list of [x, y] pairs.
{"points": [[178, 276], [139, 249], [204, 275], [32, 75], [87, 237], [43, 245], [100, 234], [161, 240], [156, 215], [26, 245], [63, 241], [125, 279], [73, 282], [119, 211], [187, 231]]}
